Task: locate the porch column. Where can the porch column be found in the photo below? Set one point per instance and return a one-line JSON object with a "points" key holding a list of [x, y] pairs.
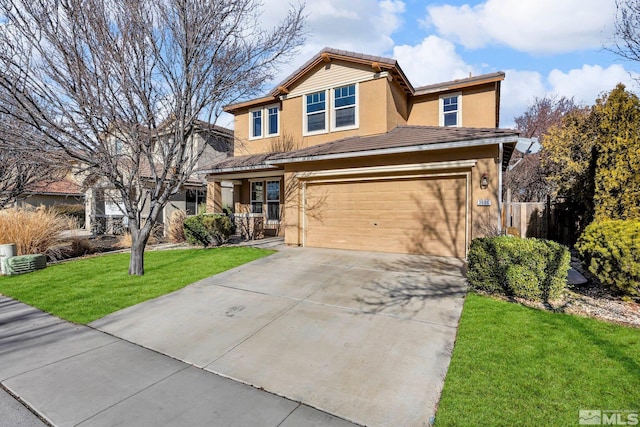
{"points": [[214, 197]]}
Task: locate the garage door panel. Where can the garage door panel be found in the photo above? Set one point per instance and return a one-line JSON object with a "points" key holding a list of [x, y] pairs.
{"points": [[407, 216]]}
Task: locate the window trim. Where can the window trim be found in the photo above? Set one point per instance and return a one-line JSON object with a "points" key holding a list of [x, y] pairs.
{"points": [[356, 122], [251, 128], [267, 200], [252, 200], [305, 115], [458, 112], [264, 121]]}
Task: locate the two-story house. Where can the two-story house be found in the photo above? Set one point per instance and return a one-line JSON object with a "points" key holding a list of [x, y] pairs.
{"points": [[212, 143], [346, 153]]}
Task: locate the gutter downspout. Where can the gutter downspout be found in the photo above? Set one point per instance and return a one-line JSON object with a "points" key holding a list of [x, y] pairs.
{"points": [[500, 159]]}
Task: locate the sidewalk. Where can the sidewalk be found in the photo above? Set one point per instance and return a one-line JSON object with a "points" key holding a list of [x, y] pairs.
{"points": [[75, 375]]}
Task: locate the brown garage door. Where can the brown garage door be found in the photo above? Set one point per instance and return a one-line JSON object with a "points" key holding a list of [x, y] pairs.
{"points": [[426, 215]]}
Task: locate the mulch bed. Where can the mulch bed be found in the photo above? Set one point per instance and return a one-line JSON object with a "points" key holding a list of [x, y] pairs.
{"points": [[592, 299]]}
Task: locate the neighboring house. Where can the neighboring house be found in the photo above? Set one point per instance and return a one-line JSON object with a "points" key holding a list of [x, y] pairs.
{"points": [[346, 153], [63, 192], [214, 142]]}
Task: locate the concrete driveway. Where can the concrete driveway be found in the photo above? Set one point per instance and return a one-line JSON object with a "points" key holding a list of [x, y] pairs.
{"points": [[365, 336]]}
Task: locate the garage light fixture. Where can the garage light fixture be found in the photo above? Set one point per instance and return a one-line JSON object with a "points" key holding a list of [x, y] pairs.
{"points": [[484, 181]]}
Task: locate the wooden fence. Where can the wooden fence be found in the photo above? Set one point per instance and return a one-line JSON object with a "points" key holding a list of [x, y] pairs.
{"points": [[547, 220]]}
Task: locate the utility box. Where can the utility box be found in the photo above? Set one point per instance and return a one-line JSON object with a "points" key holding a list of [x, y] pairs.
{"points": [[6, 251], [25, 264]]}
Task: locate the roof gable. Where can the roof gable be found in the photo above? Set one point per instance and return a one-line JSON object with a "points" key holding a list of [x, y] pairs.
{"points": [[334, 58]]}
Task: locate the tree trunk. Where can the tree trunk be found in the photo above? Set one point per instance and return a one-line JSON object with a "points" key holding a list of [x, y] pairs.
{"points": [[139, 238]]}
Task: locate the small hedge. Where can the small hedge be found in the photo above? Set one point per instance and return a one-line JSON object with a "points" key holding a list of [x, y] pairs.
{"points": [[533, 269], [611, 252], [207, 229]]}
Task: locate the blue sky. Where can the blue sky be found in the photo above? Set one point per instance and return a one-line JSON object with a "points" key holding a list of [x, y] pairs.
{"points": [[545, 47]]}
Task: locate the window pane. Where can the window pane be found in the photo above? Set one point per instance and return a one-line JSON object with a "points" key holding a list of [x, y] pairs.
{"points": [[451, 119], [273, 210], [257, 192], [273, 121], [346, 116], [256, 129], [450, 104], [345, 96], [315, 122], [273, 190], [315, 102], [256, 207]]}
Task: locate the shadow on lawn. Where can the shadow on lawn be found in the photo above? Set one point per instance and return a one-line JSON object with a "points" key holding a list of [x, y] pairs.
{"points": [[611, 349]]}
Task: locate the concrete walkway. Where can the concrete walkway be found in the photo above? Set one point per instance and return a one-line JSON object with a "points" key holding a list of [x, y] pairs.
{"points": [[76, 376], [362, 335]]}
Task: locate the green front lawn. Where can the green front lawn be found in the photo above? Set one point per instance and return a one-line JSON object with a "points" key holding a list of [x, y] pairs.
{"points": [[514, 365], [85, 290]]}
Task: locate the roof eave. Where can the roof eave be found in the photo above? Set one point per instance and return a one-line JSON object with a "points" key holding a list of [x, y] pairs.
{"points": [[398, 150], [232, 108], [456, 85], [394, 68], [239, 169]]}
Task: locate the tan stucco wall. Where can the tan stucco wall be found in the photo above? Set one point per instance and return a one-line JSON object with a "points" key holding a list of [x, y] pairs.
{"points": [[397, 106], [49, 200], [478, 107], [483, 219], [376, 103]]}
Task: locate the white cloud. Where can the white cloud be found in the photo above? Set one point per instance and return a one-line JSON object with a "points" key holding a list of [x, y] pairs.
{"points": [[534, 26], [583, 84], [364, 26], [586, 83], [432, 61], [518, 90]]}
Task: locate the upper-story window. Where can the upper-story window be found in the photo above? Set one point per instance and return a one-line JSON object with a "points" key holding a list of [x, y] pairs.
{"points": [[450, 110], [340, 110], [256, 124], [264, 122], [316, 112], [274, 121], [344, 104]]}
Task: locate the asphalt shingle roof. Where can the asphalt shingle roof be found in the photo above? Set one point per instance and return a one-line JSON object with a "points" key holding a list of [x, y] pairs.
{"points": [[401, 136]]}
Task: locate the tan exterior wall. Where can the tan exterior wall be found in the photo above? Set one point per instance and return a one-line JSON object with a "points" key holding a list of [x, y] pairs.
{"points": [[424, 111], [483, 220], [397, 106], [376, 103], [478, 107]]}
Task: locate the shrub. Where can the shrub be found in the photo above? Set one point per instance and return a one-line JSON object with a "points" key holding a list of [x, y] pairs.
{"points": [[207, 229], [176, 226], [611, 252], [74, 211], [124, 241], [36, 231], [219, 227], [195, 231], [533, 269], [79, 247]]}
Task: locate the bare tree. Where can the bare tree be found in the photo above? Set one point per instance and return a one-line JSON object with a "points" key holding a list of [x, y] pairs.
{"points": [[525, 177], [121, 85], [20, 167], [627, 30]]}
